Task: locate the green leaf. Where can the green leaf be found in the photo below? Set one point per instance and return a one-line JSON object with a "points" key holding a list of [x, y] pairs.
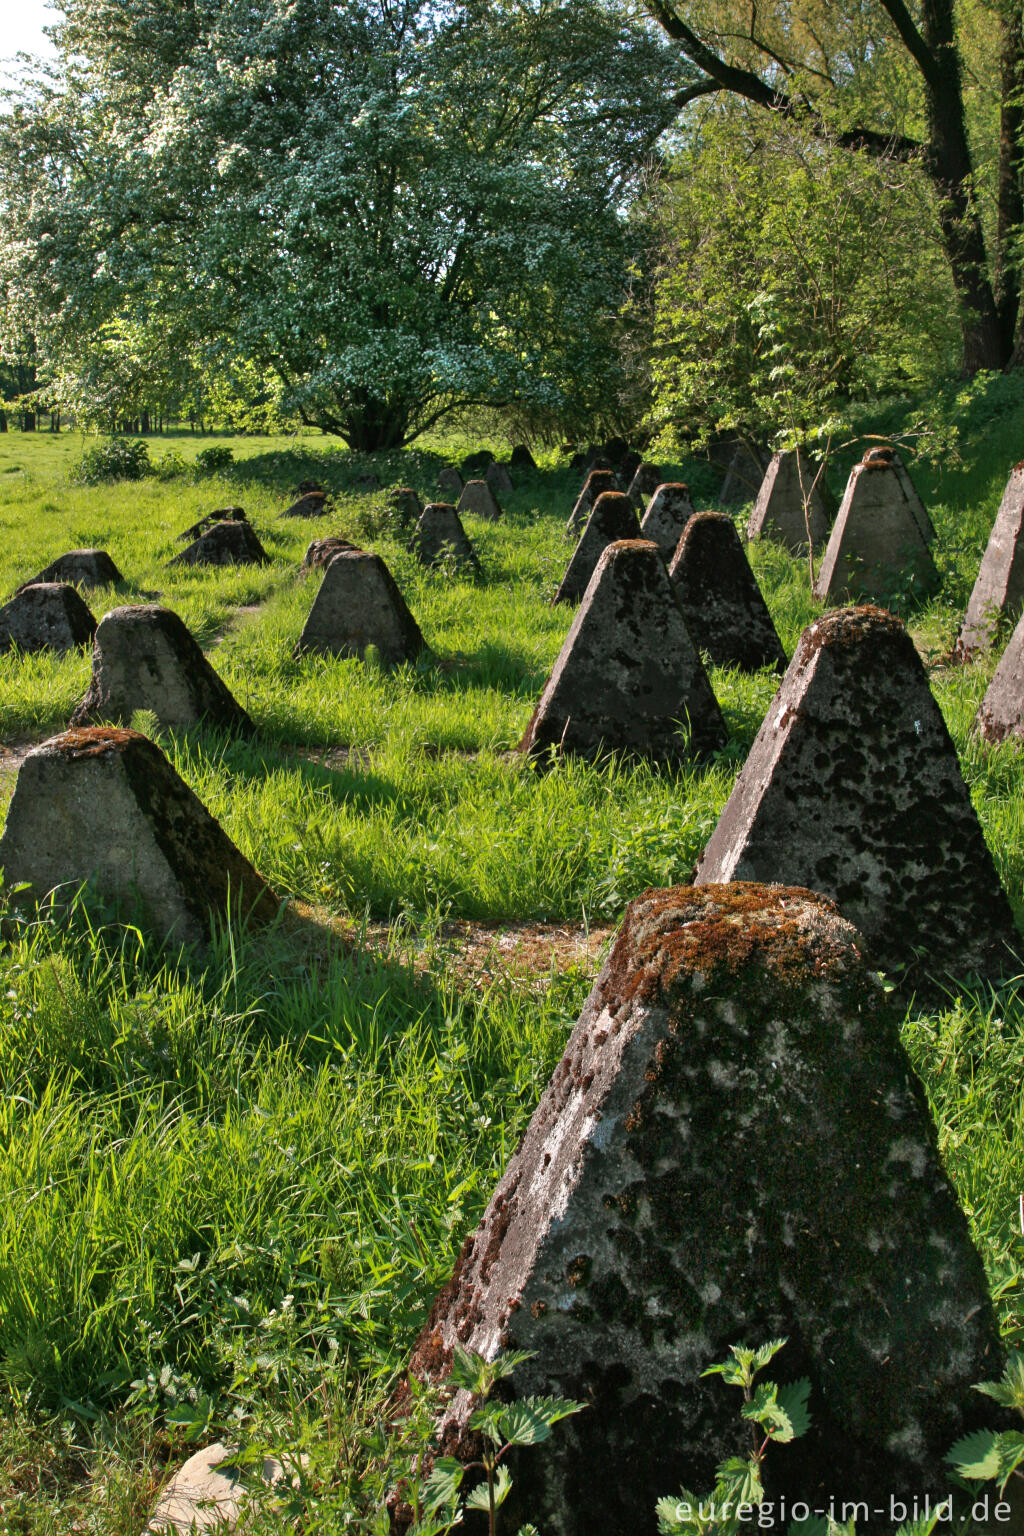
{"points": [[766, 1353], [480, 1497], [792, 1401], [739, 1481], [488, 1420], [677, 1515], [441, 1490], [986, 1456], [1009, 1389], [470, 1371]]}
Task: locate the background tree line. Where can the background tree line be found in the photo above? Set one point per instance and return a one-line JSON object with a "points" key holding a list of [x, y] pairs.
{"points": [[705, 218]]}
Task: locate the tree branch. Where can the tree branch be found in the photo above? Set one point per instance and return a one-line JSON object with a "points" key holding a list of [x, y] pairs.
{"points": [[912, 39]]}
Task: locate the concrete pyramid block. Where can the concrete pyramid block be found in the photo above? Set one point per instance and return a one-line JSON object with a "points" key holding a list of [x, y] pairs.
{"points": [[144, 657], [221, 515], [522, 458], [322, 551], [478, 497], [645, 481], [628, 677], [449, 480], [359, 605], [628, 466], [720, 598], [999, 590], [78, 568], [498, 478], [224, 544], [853, 788], [311, 504], [888, 455], [105, 806], [744, 475], [406, 504], [1001, 712], [596, 484], [875, 548], [779, 513], [439, 533], [49, 616], [733, 1148], [667, 515], [475, 464], [613, 517]]}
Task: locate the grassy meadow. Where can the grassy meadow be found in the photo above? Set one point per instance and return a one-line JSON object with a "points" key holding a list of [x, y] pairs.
{"points": [[230, 1188]]}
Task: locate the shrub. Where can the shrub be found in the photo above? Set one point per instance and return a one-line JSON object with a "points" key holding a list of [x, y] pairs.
{"points": [[214, 461], [118, 458], [171, 466]]}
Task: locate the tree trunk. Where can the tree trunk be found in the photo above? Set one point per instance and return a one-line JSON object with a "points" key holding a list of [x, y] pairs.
{"points": [[948, 158]]}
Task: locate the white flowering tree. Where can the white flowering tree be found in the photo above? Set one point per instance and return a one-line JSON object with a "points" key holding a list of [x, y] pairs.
{"points": [[400, 206]]}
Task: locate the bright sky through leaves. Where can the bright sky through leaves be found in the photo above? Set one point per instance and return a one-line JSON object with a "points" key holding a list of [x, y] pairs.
{"points": [[21, 27]]}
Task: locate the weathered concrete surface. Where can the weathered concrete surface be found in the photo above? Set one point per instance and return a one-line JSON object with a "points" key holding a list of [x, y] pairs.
{"points": [[596, 484], [144, 657], [359, 605], [78, 568], [1001, 712], [644, 483], [210, 1493], [440, 534], [853, 788], [613, 517], [628, 466], [720, 598], [522, 458], [744, 475], [322, 552], [999, 590], [105, 806], [404, 501], [478, 497], [224, 544], [312, 504], [733, 1148], [875, 548], [475, 464], [451, 481], [498, 478], [221, 515], [628, 673], [888, 455], [779, 512], [49, 616], [667, 515]]}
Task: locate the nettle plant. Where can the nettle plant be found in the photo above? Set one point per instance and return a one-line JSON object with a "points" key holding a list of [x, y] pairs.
{"points": [[995, 1456], [438, 1505]]}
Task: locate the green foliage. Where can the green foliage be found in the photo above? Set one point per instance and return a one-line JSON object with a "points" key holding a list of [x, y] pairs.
{"points": [[990, 1455], [210, 204], [118, 458], [776, 1415], [792, 279], [215, 460]]}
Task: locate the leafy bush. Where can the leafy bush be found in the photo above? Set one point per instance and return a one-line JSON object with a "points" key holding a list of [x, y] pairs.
{"points": [[214, 461], [118, 458], [171, 466]]}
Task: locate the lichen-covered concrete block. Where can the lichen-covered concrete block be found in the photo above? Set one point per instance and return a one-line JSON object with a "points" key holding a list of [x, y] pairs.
{"points": [[475, 464], [876, 547], [478, 497], [78, 568], [322, 551], [888, 455], [105, 806], [733, 1149], [628, 678], [311, 504], [439, 533], [720, 598], [230, 543], [1001, 712], [522, 458], [667, 515], [643, 485], [449, 480], [406, 504], [48, 616], [853, 788], [613, 517], [596, 484], [744, 475], [144, 657], [498, 478], [780, 513], [999, 590], [359, 605], [221, 515]]}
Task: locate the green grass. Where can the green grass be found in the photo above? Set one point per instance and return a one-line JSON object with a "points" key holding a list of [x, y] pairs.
{"points": [[229, 1191]]}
